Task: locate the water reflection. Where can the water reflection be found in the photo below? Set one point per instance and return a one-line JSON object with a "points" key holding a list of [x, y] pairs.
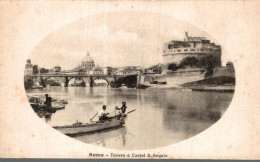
{"points": [[162, 116], [101, 137], [189, 113], [47, 117]]}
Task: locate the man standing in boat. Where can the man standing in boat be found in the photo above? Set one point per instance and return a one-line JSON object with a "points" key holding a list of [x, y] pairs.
{"points": [[122, 108], [48, 100], [102, 114]]}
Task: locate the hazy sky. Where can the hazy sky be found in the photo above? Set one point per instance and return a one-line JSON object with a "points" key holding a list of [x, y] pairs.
{"points": [[112, 39]]}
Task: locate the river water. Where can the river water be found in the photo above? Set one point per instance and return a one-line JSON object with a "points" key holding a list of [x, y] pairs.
{"points": [[162, 116]]}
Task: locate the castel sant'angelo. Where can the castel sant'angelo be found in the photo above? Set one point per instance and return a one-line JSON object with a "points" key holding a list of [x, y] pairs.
{"points": [[175, 51]]}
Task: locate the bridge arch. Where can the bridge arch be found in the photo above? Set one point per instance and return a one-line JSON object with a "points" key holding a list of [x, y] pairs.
{"points": [[103, 78], [58, 79], [80, 78]]}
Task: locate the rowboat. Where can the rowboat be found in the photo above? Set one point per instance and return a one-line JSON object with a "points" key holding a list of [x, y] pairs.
{"points": [[79, 128], [39, 107], [53, 108], [58, 106]]}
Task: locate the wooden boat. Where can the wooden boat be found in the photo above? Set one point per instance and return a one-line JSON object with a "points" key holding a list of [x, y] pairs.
{"points": [[53, 108], [79, 128], [39, 107], [57, 106]]}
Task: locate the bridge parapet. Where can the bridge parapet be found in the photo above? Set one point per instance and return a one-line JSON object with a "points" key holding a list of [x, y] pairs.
{"points": [[65, 78], [71, 75]]}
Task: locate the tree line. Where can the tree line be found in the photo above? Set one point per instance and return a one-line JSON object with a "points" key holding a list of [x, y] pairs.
{"points": [[208, 63]]}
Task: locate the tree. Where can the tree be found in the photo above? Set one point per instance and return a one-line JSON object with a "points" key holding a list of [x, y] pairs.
{"points": [[209, 62], [189, 61], [43, 70], [172, 67]]}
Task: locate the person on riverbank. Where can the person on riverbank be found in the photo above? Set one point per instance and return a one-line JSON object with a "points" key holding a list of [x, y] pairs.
{"points": [[48, 100], [102, 114], [122, 108]]}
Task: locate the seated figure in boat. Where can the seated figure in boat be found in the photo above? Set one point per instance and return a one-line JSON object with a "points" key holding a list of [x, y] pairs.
{"points": [[122, 108], [102, 114]]}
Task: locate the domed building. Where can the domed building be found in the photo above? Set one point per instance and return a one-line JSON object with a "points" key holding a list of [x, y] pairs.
{"points": [[87, 63]]}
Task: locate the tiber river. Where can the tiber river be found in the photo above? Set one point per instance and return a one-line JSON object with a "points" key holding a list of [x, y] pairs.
{"points": [[162, 116]]}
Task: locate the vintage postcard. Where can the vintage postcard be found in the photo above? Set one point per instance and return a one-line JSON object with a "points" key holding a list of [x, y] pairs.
{"points": [[135, 79]]}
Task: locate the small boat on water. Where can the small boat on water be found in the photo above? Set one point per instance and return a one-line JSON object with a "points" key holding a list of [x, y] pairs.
{"points": [[42, 107], [79, 128], [37, 103], [39, 107], [58, 107]]}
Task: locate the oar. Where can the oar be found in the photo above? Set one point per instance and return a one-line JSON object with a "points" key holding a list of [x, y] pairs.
{"points": [[130, 111], [94, 116]]}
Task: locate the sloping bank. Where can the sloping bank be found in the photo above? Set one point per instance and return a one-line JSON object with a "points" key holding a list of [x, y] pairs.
{"points": [[219, 84]]}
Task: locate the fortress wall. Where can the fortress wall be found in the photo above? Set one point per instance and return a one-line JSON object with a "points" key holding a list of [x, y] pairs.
{"points": [[147, 79], [224, 72], [184, 77], [159, 77], [176, 58], [173, 78]]}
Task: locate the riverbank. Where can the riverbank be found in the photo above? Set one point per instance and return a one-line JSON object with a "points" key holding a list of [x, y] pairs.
{"points": [[214, 88], [219, 84]]}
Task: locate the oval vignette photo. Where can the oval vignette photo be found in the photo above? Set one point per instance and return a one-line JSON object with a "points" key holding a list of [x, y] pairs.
{"points": [[129, 80]]}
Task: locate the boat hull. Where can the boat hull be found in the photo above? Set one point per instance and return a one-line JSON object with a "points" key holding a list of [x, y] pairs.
{"points": [[37, 107], [90, 127]]}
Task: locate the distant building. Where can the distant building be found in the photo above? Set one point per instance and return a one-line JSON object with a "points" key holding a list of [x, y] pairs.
{"points": [[28, 67], [156, 69], [51, 70], [35, 69], [78, 68], [132, 71], [128, 70], [108, 70], [43, 70], [120, 71], [81, 72], [175, 51], [57, 68], [87, 63], [86, 66], [98, 71]]}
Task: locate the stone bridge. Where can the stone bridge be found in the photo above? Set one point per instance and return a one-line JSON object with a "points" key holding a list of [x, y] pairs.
{"points": [[64, 78]]}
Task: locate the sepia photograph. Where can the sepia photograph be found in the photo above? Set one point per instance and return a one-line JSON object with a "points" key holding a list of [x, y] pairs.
{"points": [[137, 79], [144, 82]]}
